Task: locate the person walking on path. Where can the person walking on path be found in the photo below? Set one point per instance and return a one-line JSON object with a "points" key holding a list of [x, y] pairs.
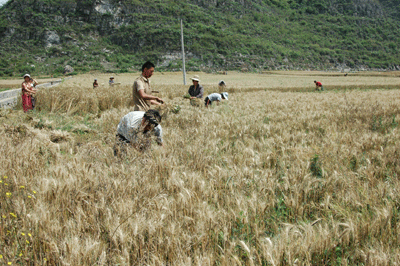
{"points": [[196, 90], [215, 97], [28, 89], [142, 97], [136, 127], [318, 86]]}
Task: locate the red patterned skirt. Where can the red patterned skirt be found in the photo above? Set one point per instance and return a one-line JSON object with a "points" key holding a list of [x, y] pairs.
{"points": [[26, 102]]}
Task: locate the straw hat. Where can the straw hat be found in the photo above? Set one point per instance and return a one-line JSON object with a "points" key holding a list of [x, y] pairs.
{"points": [[196, 78], [225, 94], [27, 75]]}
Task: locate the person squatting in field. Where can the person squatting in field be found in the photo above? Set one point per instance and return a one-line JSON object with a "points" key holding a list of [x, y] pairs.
{"points": [[142, 97], [135, 128], [318, 86], [28, 91], [215, 97], [196, 90]]}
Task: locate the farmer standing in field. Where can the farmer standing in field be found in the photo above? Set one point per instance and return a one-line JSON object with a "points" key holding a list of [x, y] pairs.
{"points": [[318, 86], [142, 97], [28, 90], [135, 128]]}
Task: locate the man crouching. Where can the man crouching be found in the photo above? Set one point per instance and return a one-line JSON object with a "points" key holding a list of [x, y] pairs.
{"points": [[135, 129]]}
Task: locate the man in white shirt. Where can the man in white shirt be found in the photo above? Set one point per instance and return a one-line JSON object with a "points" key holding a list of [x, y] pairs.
{"points": [[215, 97], [136, 127]]}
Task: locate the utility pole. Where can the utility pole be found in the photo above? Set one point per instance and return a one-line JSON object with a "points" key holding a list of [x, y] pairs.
{"points": [[183, 55]]}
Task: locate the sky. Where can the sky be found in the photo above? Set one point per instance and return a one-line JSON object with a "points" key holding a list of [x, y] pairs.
{"points": [[2, 2]]}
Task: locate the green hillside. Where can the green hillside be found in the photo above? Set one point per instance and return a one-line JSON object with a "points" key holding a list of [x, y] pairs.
{"points": [[43, 36]]}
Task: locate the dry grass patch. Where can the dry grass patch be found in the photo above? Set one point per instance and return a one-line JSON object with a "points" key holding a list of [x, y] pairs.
{"points": [[266, 178]]}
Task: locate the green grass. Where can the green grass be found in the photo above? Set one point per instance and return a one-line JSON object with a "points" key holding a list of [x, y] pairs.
{"points": [[266, 35]]}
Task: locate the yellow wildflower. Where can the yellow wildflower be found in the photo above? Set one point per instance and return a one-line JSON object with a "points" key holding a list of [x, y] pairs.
{"points": [[22, 187], [1, 256], [4, 216], [27, 241], [29, 197], [8, 194], [29, 235], [34, 192], [20, 254], [1, 181], [23, 234], [5, 177], [5, 184], [9, 263], [13, 215]]}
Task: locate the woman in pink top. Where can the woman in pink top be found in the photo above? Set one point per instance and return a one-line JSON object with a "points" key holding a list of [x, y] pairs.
{"points": [[27, 91]]}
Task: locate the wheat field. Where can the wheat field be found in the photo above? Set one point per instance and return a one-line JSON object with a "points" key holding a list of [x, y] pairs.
{"points": [[274, 176]]}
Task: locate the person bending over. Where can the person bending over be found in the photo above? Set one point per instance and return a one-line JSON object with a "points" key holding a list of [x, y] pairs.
{"points": [[318, 86], [215, 97], [136, 127]]}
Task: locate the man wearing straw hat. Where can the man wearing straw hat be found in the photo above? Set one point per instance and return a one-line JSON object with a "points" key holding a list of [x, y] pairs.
{"points": [[196, 90], [142, 97]]}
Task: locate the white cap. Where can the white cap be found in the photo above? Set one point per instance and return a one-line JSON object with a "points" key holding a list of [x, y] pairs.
{"points": [[27, 75]]}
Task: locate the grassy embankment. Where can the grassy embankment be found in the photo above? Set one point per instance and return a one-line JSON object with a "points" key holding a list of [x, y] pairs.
{"points": [[263, 35], [270, 177]]}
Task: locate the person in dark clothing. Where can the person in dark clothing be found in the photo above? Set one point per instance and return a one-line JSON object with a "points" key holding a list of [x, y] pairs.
{"points": [[196, 90], [95, 84]]}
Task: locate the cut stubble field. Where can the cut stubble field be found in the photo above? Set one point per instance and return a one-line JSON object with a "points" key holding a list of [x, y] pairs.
{"points": [[278, 175]]}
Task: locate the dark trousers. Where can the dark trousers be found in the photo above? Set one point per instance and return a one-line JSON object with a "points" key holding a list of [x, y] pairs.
{"points": [[206, 101]]}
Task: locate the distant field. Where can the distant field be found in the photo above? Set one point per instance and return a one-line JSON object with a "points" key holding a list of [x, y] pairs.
{"points": [[270, 79], [273, 176], [278, 79]]}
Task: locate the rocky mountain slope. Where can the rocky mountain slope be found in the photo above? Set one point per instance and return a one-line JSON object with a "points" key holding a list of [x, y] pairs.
{"points": [[43, 36]]}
